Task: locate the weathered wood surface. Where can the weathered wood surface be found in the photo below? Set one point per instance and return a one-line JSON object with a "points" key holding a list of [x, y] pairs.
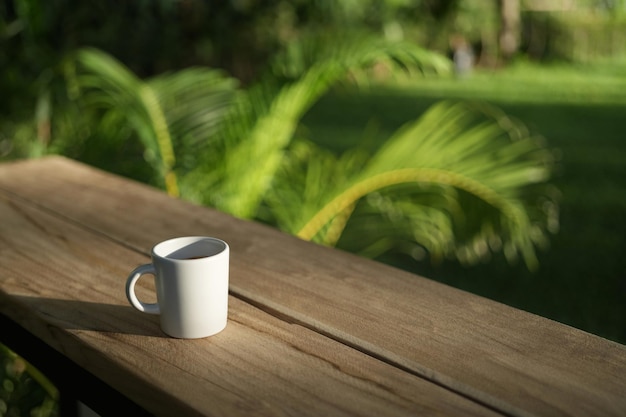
{"points": [[66, 285], [516, 363]]}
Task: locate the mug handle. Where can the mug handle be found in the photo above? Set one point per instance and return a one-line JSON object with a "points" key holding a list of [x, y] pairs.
{"points": [[130, 290]]}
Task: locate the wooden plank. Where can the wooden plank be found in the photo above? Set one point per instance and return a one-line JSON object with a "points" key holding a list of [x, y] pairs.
{"points": [[66, 285], [517, 362]]}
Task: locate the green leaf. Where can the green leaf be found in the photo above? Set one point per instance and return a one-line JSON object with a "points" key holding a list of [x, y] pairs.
{"points": [[307, 70], [174, 112], [453, 182]]}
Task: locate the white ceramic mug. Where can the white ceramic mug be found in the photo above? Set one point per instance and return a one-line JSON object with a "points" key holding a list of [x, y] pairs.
{"points": [[191, 277]]}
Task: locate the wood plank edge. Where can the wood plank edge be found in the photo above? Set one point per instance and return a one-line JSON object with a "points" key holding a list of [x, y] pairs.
{"points": [[72, 379]]}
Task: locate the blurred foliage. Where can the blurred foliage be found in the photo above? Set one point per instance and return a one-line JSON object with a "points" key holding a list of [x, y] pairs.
{"points": [[244, 159], [459, 182], [148, 37], [24, 390], [580, 37], [226, 138], [172, 111]]}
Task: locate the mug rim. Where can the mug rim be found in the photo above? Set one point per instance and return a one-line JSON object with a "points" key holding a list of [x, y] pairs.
{"points": [[165, 249]]}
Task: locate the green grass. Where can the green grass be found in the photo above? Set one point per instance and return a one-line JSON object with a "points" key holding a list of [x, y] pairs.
{"points": [[580, 112]]}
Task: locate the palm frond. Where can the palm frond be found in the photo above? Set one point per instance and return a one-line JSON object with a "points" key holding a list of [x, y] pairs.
{"points": [[254, 159], [490, 173], [354, 50], [174, 113]]}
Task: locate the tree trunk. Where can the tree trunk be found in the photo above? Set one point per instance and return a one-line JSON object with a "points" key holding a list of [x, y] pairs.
{"points": [[509, 27]]}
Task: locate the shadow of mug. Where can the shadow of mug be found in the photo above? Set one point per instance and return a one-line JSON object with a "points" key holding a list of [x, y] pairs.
{"points": [[85, 315]]}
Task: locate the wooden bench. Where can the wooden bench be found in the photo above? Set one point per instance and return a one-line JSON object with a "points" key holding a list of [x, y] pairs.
{"points": [[312, 330]]}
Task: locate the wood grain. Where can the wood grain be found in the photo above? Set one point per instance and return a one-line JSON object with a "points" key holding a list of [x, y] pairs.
{"points": [[517, 362], [66, 285]]}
